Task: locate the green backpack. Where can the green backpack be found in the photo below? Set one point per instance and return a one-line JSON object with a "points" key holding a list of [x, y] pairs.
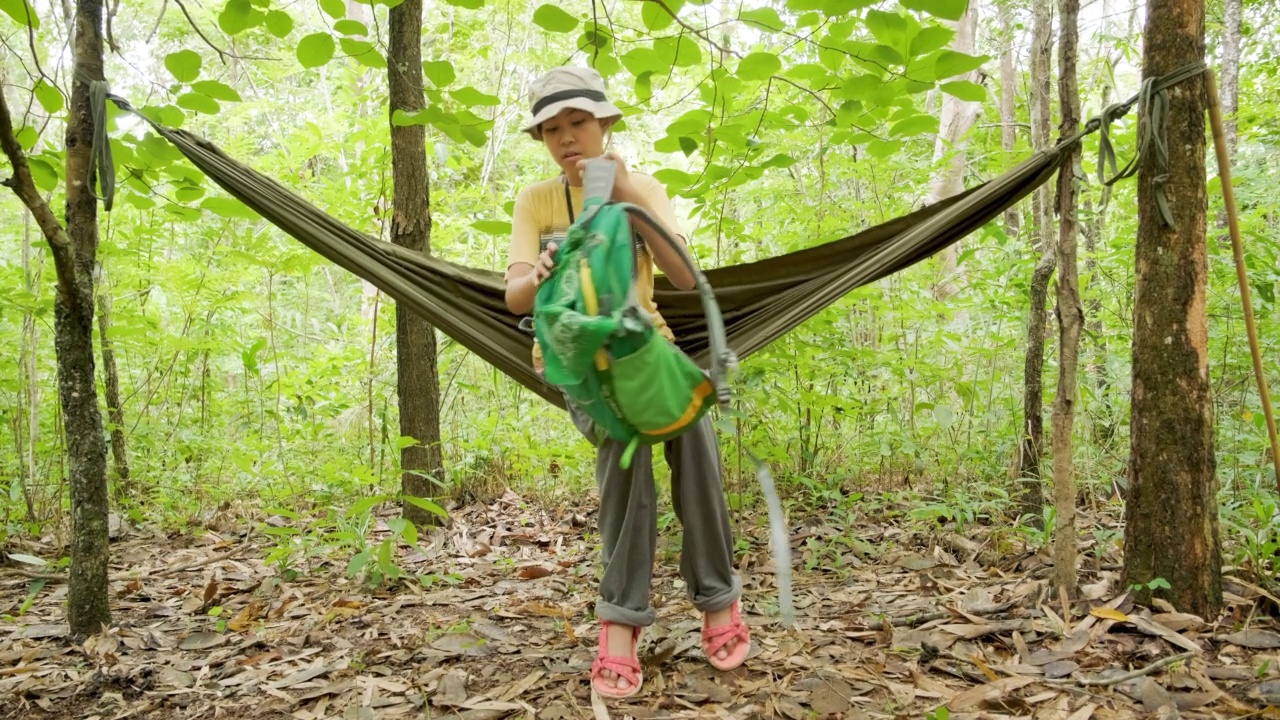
{"points": [[599, 345]]}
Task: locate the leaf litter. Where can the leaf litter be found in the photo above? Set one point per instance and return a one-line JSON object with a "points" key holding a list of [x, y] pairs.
{"points": [[895, 622]]}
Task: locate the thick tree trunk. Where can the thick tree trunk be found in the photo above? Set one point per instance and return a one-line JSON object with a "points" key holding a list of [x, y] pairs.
{"points": [[111, 379], [417, 382], [73, 256], [1070, 314], [1008, 105], [955, 120], [1030, 493], [1171, 512]]}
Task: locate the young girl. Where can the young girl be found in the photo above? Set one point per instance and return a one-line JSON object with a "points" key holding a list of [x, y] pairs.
{"points": [[571, 116]]}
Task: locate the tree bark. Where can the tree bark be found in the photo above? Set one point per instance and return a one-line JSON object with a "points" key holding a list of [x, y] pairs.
{"points": [[74, 250], [111, 380], [1030, 493], [417, 382], [1070, 314], [28, 369], [1008, 105], [1171, 512], [1231, 74]]}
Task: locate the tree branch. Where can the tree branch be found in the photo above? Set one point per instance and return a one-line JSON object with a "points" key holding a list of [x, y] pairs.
{"points": [[716, 46], [222, 54], [24, 186]]}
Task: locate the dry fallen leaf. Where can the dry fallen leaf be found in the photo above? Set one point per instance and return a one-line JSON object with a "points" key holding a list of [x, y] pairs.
{"points": [[202, 640], [985, 693], [1256, 639]]}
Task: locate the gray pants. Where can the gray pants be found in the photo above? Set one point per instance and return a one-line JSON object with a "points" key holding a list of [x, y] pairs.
{"points": [[629, 525]]}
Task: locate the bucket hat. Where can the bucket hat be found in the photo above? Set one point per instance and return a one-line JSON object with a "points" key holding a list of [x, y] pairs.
{"points": [[567, 87]]}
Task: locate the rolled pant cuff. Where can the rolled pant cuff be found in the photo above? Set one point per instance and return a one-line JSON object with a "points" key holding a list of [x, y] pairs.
{"points": [[720, 600], [608, 612]]}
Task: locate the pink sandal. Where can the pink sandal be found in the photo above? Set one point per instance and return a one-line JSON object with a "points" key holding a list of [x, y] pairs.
{"points": [[715, 638], [627, 668]]}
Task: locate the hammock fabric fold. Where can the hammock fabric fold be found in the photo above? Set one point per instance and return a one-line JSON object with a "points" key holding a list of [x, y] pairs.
{"points": [[760, 300]]}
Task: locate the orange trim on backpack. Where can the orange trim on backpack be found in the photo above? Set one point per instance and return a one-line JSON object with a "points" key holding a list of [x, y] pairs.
{"points": [[700, 394]]}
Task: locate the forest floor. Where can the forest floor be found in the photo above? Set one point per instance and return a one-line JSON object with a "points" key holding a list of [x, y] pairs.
{"points": [[895, 623]]}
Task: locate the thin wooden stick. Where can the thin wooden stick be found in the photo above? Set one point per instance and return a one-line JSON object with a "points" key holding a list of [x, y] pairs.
{"points": [[1229, 200], [1140, 672]]}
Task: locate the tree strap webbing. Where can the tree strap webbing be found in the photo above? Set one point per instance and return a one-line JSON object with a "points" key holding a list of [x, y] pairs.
{"points": [[1153, 105]]}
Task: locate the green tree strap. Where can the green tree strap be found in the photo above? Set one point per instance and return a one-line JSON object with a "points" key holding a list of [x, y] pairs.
{"points": [[1153, 104]]}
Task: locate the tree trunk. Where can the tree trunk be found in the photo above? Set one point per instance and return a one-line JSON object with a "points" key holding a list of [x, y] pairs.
{"points": [[28, 369], [111, 379], [955, 120], [1171, 512], [417, 383], [1231, 74], [1070, 314], [1030, 493], [1008, 105], [87, 605], [73, 256]]}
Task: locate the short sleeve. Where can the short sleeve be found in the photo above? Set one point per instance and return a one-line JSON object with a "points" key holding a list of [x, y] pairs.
{"points": [[656, 198], [524, 233]]}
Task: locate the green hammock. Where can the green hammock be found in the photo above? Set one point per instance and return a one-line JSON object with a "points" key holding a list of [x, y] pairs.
{"points": [[760, 301]]}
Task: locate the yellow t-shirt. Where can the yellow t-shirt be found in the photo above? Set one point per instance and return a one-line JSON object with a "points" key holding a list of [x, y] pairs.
{"points": [[541, 217]]}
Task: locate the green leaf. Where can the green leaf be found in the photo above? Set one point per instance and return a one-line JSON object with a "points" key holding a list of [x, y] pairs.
{"points": [[43, 173], [473, 97], [682, 50], [964, 90], [364, 505], [228, 208], [364, 52], [440, 72], [883, 148], [236, 17], [861, 87], [184, 65], [316, 49], [20, 11], [951, 63], [930, 39], [643, 60], [358, 561], [216, 90], [765, 17], [279, 23], [944, 416], [188, 193], [888, 28], [49, 97], [759, 66], [492, 227], [335, 9], [919, 124], [946, 9], [468, 4], [654, 17], [142, 202], [552, 18], [351, 27], [426, 505], [199, 103], [27, 137]]}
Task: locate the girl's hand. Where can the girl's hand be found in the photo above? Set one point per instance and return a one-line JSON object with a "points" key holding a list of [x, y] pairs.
{"points": [[623, 190], [542, 270]]}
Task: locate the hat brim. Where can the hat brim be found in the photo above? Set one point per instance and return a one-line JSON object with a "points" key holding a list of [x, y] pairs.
{"points": [[601, 110]]}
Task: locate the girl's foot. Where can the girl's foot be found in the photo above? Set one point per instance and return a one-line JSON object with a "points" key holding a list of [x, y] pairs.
{"points": [[725, 639], [614, 675]]}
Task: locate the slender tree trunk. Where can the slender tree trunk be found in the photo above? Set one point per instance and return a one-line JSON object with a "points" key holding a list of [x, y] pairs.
{"points": [[1008, 105], [1231, 75], [955, 120], [1030, 492], [1070, 314], [1171, 520], [74, 250], [418, 384], [111, 379], [30, 370]]}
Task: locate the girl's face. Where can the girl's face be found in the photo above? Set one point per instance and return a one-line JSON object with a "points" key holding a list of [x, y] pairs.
{"points": [[573, 135]]}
